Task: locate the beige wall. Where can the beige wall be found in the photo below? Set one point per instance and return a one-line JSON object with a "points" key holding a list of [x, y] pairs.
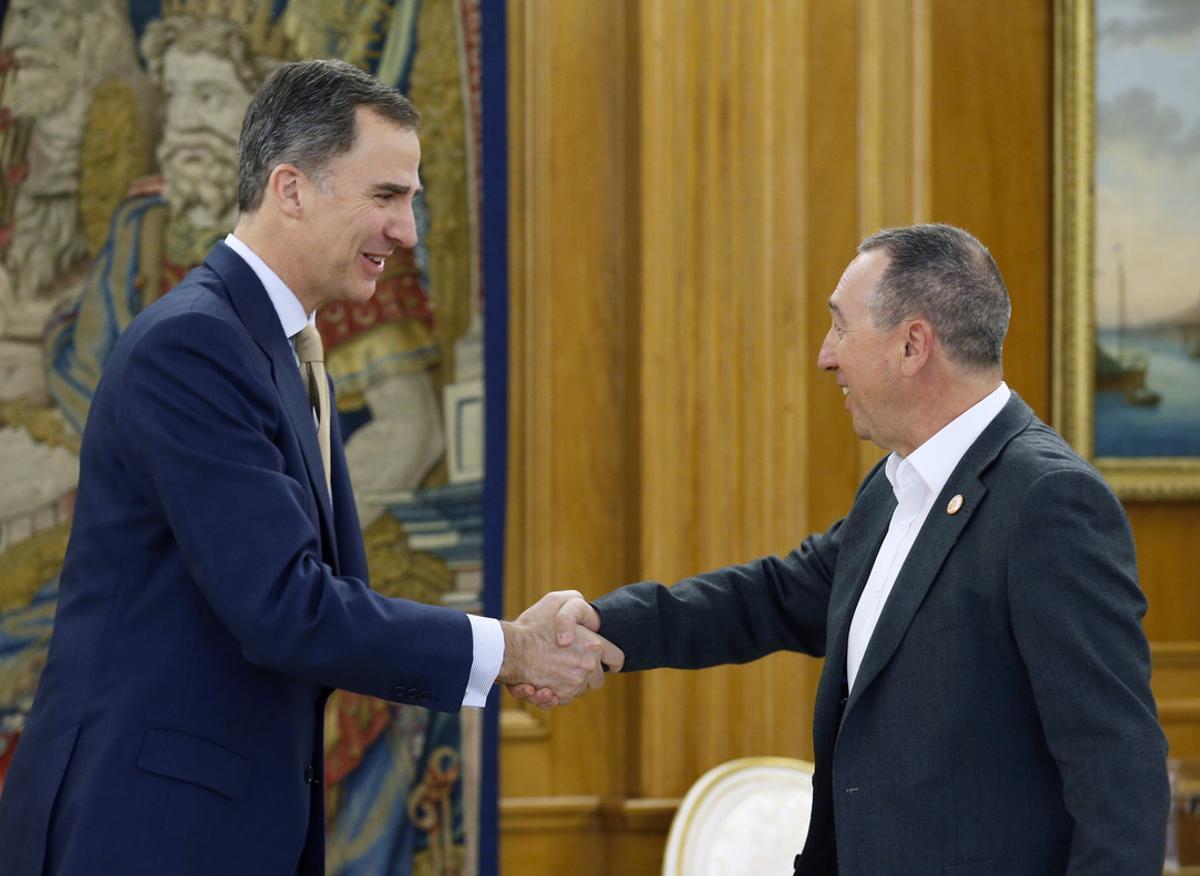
{"points": [[688, 179]]}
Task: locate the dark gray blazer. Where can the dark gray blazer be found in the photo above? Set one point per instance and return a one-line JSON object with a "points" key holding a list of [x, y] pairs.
{"points": [[1002, 720]]}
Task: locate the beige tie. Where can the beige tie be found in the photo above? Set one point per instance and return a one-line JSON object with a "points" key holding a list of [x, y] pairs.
{"points": [[311, 353]]}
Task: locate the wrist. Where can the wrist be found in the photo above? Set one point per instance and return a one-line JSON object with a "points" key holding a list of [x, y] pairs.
{"points": [[514, 650]]}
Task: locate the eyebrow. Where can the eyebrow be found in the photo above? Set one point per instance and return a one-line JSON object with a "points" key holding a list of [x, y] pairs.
{"points": [[396, 189]]}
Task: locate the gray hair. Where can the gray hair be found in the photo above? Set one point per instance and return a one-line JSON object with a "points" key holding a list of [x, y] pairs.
{"points": [[942, 274], [305, 114]]}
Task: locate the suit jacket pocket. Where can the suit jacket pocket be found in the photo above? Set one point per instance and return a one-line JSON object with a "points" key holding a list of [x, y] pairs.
{"points": [[186, 757]]}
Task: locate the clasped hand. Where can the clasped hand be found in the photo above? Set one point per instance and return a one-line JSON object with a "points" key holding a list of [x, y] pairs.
{"points": [[553, 652]]}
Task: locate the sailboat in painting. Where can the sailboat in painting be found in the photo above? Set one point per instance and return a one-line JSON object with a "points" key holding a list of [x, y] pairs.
{"points": [[1124, 370]]}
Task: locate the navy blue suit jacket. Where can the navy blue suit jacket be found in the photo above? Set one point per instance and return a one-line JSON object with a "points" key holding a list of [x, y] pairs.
{"points": [[208, 603], [1001, 723]]}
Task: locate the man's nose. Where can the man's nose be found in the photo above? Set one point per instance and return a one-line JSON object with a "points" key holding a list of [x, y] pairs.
{"points": [[402, 229], [826, 360]]}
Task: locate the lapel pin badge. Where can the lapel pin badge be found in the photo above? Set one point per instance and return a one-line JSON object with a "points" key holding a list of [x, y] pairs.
{"points": [[955, 504]]}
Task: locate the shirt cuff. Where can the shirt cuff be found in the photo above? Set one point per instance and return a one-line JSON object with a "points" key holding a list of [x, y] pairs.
{"points": [[488, 654]]}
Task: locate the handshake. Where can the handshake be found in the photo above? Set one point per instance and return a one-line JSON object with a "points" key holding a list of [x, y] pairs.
{"points": [[553, 651]]}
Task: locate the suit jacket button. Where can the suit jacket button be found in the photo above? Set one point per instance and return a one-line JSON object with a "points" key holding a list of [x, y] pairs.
{"points": [[398, 692], [425, 697]]}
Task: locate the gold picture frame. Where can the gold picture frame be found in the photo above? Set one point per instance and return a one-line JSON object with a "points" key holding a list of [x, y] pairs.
{"points": [[1074, 300]]}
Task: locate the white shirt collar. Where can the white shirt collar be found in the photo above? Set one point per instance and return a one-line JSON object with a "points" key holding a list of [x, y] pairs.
{"points": [[935, 460], [287, 306]]}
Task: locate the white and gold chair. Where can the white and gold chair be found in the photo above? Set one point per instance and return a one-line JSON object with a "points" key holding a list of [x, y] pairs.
{"points": [[747, 817]]}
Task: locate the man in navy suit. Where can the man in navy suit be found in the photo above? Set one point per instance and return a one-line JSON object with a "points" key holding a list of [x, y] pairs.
{"points": [[985, 704], [214, 589]]}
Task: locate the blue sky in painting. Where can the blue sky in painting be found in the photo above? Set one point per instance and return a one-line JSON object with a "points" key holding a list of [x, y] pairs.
{"points": [[1147, 156]]}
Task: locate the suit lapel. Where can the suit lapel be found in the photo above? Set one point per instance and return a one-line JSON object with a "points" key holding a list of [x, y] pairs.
{"points": [[861, 534], [254, 308], [938, 535], [868, 523]]}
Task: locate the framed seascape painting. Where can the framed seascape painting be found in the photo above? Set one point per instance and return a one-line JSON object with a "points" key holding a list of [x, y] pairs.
{"points": [[1127, 241]]}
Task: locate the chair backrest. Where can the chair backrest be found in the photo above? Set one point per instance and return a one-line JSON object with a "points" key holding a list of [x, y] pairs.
{"points": [[747, 817]]}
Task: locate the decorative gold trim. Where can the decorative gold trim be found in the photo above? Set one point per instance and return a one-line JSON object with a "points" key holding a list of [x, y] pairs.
{"points": [[1072, 403], [1072, 307]]}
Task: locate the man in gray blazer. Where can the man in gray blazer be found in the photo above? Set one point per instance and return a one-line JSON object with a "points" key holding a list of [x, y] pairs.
{"points": [[985, 703]]}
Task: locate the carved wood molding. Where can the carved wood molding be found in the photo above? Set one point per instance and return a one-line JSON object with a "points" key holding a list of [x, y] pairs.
{"points": [[1176, 677], [1175, 654], [586, 812], [1179, 710], [523, 722], [549, 814]]}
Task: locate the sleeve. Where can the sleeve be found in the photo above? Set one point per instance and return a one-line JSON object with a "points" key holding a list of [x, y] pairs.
{"points": [[731, 615], [488, 656], [200, 420], [1076, 611]]}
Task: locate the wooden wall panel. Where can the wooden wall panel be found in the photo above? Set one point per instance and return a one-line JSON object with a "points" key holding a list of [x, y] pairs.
{"points": [[991, 78], [724, 367], [1168, 555], [570, 242], [833, 203]]}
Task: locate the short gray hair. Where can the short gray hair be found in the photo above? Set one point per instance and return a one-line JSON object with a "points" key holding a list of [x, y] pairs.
{"points": [[305, 114], [942, 274]]}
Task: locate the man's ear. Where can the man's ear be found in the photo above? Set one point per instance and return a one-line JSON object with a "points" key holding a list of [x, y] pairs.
{"points": [[285, 188], [918, 346]]}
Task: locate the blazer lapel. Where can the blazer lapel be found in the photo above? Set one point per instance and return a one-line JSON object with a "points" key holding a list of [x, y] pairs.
{"points": [[254, 307], [862, 533], [867, 525], [938, 535]]}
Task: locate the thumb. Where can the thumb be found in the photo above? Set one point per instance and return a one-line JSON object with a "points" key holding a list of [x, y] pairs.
{"points": [[573, 611]]}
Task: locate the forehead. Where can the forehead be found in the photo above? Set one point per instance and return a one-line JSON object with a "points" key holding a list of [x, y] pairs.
{"points": [[382, 149], [850, 294]]}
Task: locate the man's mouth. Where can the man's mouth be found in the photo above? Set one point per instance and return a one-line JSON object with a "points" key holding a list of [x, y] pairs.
{"points": [[845, 390], [376, 260]]}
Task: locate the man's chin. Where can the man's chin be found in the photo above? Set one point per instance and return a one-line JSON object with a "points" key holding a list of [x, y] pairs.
{"points": [[362, 293], [366, 293]]}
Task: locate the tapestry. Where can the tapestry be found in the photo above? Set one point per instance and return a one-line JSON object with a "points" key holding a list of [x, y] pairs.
{"points": [[118, 127]]}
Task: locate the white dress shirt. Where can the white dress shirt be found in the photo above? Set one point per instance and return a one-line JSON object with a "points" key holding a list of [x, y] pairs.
{"points": [[486, 636], [916, 480]]}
